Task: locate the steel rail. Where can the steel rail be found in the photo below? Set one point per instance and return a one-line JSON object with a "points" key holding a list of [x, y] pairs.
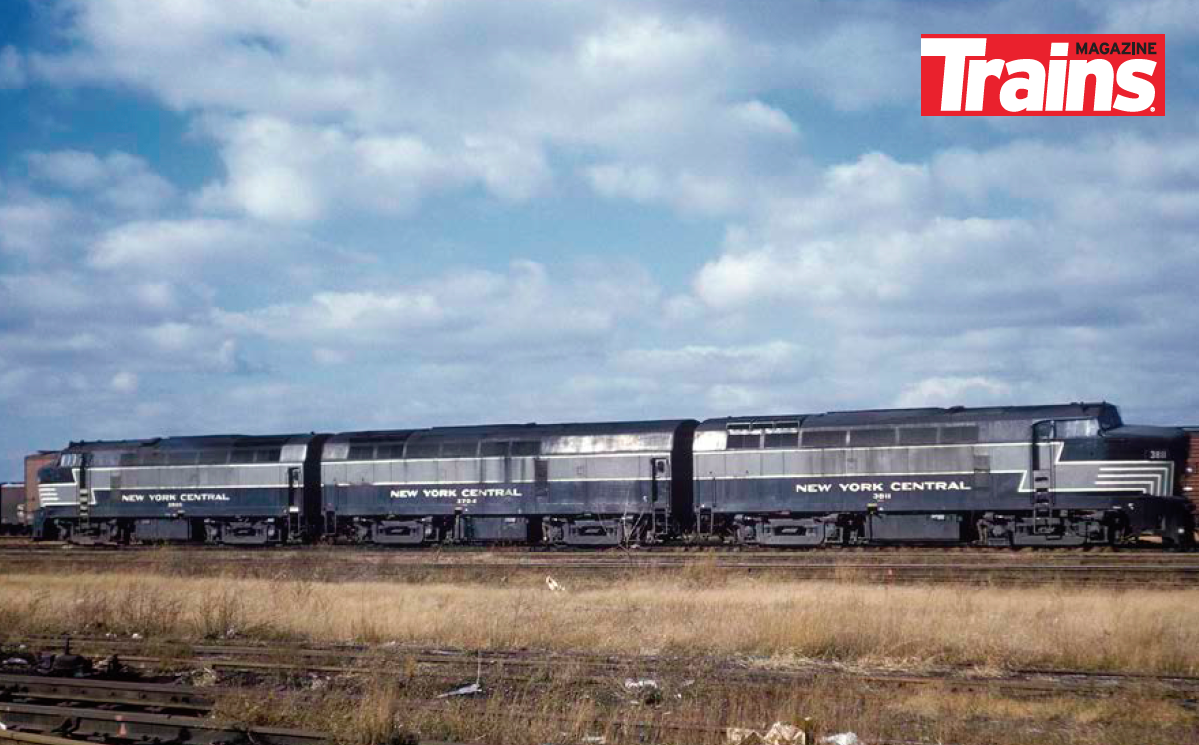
{"points": [[88, 723], [364, 660], [149, 697]]}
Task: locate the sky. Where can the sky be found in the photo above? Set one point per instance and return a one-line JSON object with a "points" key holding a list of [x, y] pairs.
{"points": [[287, 216]]}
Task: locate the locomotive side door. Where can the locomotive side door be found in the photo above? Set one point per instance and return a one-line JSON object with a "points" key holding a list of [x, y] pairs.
{"points": [[1042, 471], [295, 487], [659, 469]]}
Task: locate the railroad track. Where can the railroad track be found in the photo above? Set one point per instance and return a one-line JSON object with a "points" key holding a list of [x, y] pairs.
{"points": [[68, 715], [40, 710], [87, 709], [146, 698], [527, 665], [17, 543], [1105, 570]]}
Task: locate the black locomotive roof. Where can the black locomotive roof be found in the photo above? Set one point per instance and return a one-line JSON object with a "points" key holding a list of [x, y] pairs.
{"points": [[578, 436], [366, 437], [200, 442], [877, 417], [530, 431], [533, 430]]}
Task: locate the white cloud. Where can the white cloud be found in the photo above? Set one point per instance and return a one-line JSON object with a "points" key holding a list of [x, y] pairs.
{"points": [[878, 240], [327, 356], [686, 190], [765, 118], [124, 382], [465, 313], [764, 362], [281, 171], [315, 116], [955, 391], [181, 247], [119, 180], [36, 227], [74, 169]]}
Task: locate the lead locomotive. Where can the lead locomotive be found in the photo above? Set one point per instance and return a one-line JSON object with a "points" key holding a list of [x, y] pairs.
{"points": [[1065, 475]]}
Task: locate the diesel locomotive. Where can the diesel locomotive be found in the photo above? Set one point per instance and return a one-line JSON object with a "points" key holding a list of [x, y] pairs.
{"points": [[1060, 475]]}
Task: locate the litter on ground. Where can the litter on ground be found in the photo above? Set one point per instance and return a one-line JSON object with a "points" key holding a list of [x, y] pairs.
{"points": [[778, 734], [466, 690]]}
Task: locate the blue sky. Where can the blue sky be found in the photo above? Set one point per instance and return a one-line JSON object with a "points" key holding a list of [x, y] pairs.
{"points": [[274, 216]]}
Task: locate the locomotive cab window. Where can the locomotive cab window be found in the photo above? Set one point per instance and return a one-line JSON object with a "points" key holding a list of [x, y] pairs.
{"points": [[52, 475]]}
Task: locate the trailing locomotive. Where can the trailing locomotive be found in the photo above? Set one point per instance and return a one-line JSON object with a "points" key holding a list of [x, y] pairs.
{"points": [[572, 484], [1062, 475], [221, 489]]}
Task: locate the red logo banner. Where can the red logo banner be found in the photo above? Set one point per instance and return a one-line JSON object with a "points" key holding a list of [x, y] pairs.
{"points": [[1043, 75]]}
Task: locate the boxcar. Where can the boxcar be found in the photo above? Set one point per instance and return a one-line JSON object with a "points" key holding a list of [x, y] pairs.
{"points": [[1036, 475], [573, 484], [13, 518], [1190, 480]]}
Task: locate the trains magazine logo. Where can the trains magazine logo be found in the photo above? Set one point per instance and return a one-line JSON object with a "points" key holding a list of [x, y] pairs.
{"points": [[1043, 75]]}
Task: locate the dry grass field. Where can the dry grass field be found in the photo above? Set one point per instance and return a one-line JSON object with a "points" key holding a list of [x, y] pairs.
{"points": [[557, 706], [699, 620], [1087, 629]]}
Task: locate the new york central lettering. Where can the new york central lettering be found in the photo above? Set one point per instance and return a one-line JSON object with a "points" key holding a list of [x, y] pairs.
{"points": [[881, 486], [442, 493], [183, 497]]}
